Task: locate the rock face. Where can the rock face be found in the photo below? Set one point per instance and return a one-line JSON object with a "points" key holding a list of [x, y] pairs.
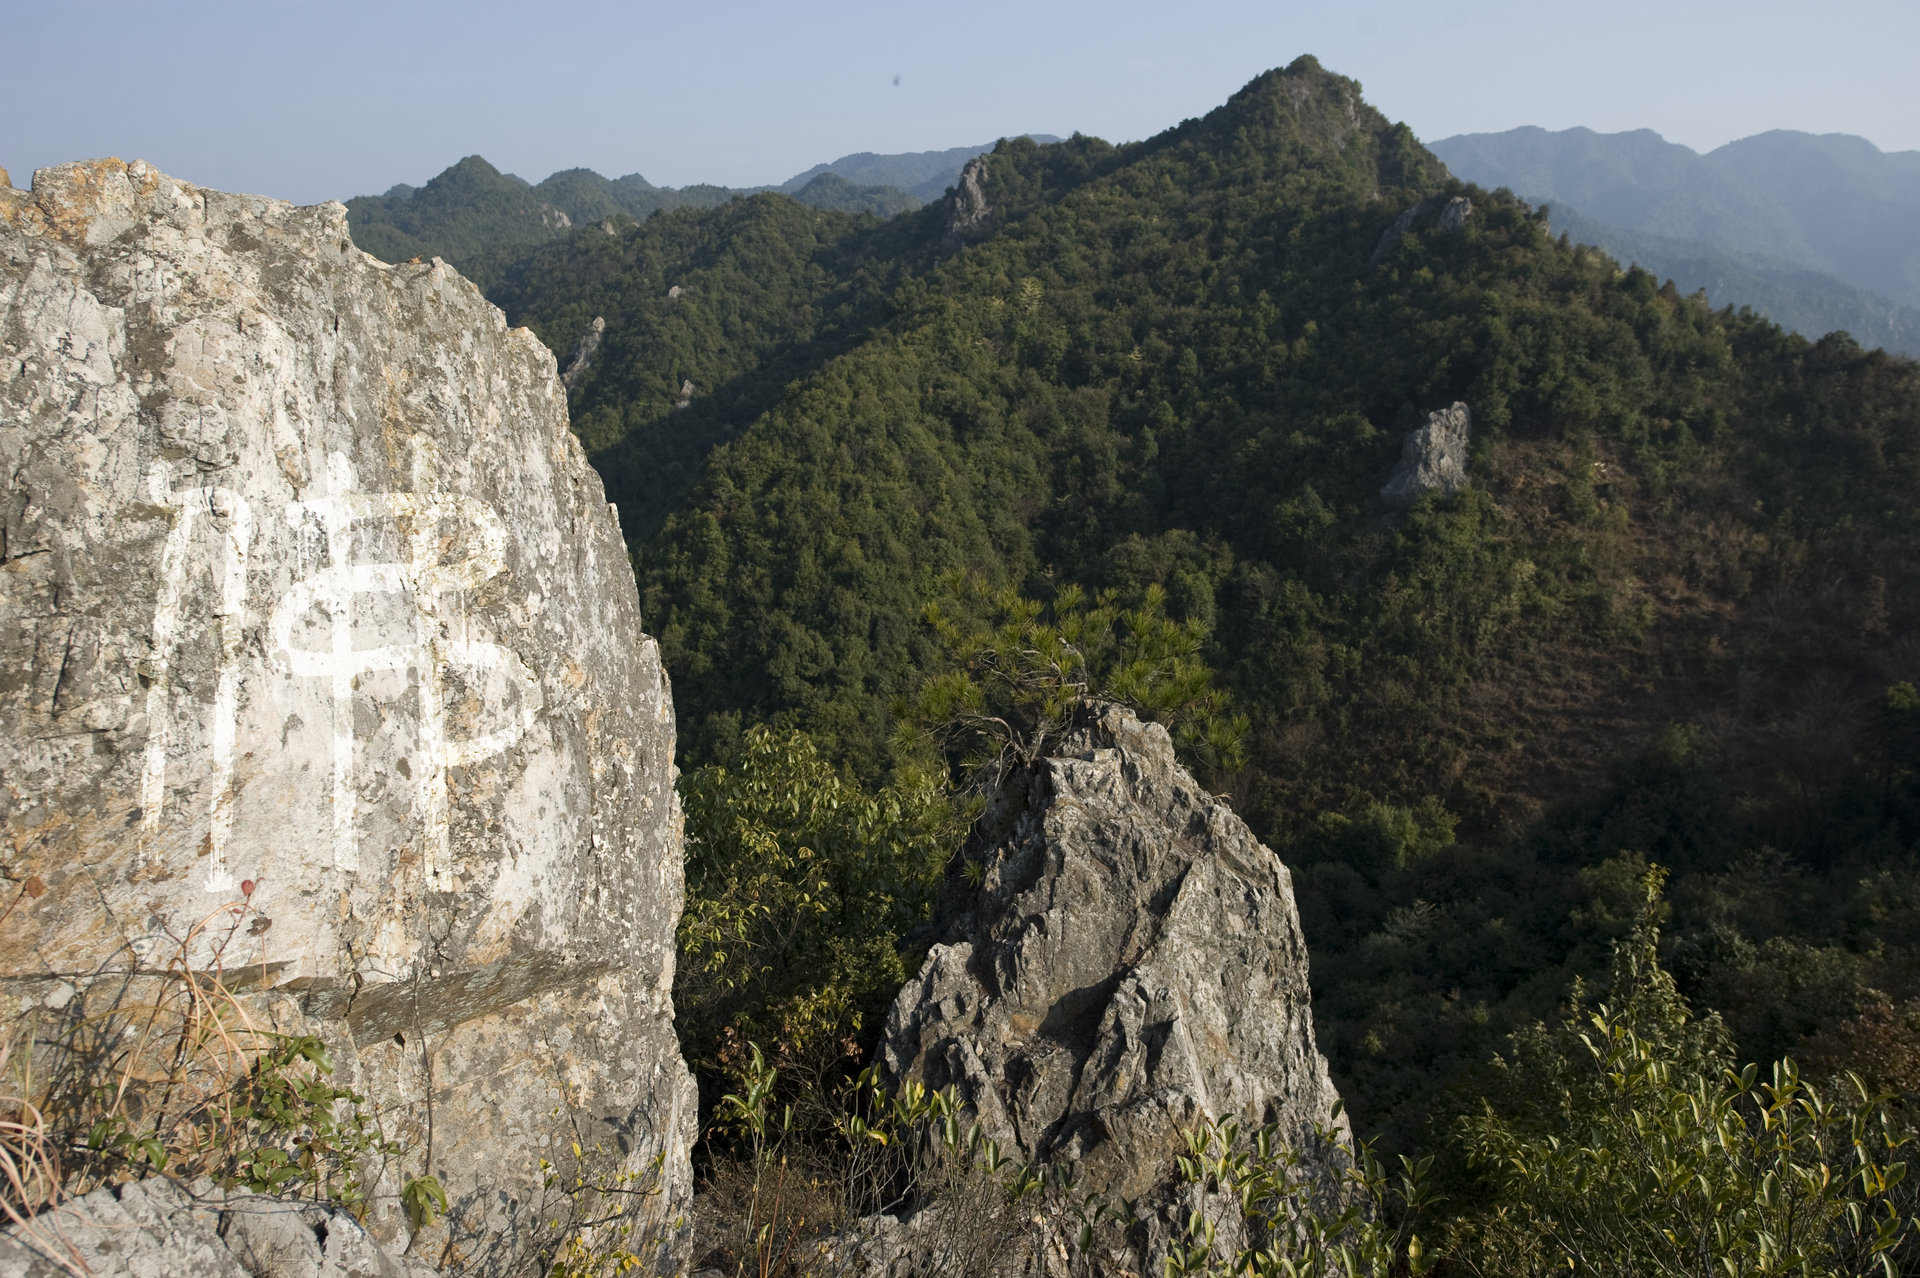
{"points": [[582, 357], [1131, 964], [1455, 215], [158, 1229], [311, 606], [1434, 458], [970, 206]]}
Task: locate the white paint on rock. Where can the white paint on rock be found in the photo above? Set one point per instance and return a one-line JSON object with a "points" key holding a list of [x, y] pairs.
{"points": [[304, 584]]}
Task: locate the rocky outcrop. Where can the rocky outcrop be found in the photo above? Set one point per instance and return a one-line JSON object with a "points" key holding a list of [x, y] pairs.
{"points": [[582, 357], [1434, 458], [159, 1229], [1454, 216], [312, 609], [970, 207], [1131, 964]]}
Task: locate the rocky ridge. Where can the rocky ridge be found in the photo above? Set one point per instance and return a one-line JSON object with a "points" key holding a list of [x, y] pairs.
{"points": [[321, 664]]}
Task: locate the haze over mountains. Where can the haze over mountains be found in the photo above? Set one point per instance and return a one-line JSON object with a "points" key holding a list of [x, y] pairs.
{"points": [[477, 217], [1818, 232]]}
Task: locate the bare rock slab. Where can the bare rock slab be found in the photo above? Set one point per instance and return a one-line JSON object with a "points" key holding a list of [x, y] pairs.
{"points": [[311, 608]]}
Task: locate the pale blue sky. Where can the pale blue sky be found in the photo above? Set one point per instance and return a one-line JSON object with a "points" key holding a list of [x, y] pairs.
{"points": [[310, 100]]}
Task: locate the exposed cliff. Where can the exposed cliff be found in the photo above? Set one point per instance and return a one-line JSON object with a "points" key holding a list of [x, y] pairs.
{"points": [[1433, 458], [311, 605], [971, 208], [1130, 965]]}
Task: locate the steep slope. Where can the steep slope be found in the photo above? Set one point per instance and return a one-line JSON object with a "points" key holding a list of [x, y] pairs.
{"points": [[1661, 619], [707, 317]]}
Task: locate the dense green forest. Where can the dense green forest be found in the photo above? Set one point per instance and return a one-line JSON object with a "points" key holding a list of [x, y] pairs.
{"points": [[1669, 621]]}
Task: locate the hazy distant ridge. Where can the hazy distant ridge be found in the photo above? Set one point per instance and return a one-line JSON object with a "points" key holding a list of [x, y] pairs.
{"points": [[474, 215], [1818, 231]]}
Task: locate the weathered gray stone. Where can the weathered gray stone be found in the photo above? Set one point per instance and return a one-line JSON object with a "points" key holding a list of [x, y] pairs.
{"points": [[1434, 458], [147, 1229], [1131, 965], [970, 206], [1455, 215], [158, 1228], [582, 357], [273, 1237], [312, 609]]}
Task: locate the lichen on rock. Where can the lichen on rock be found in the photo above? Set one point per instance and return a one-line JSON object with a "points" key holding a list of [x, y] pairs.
{"points": [[310, 602]]}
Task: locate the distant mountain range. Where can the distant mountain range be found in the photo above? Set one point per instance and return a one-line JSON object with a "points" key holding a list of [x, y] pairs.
{"points": [[477, 217], [1817, 231]]}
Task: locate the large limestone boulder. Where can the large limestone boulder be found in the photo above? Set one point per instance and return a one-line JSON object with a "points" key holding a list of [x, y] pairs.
{"points": [[311, 605], [1130, 965], [1433, 458]]}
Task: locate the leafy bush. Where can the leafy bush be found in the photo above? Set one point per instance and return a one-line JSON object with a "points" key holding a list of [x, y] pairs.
{"points": [[801, 888], [1012, 679], [161, 1070], [1623, 1141], [1339, 1213]]}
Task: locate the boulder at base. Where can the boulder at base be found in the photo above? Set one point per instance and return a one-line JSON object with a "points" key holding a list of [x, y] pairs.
{"points": [[158, 1228], [1130, 965], [321, 662]]}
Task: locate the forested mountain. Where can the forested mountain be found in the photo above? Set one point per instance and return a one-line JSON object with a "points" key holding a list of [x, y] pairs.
{"points": [[480, 219], [1667, 620], [477, 217], [1763, 218]]}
